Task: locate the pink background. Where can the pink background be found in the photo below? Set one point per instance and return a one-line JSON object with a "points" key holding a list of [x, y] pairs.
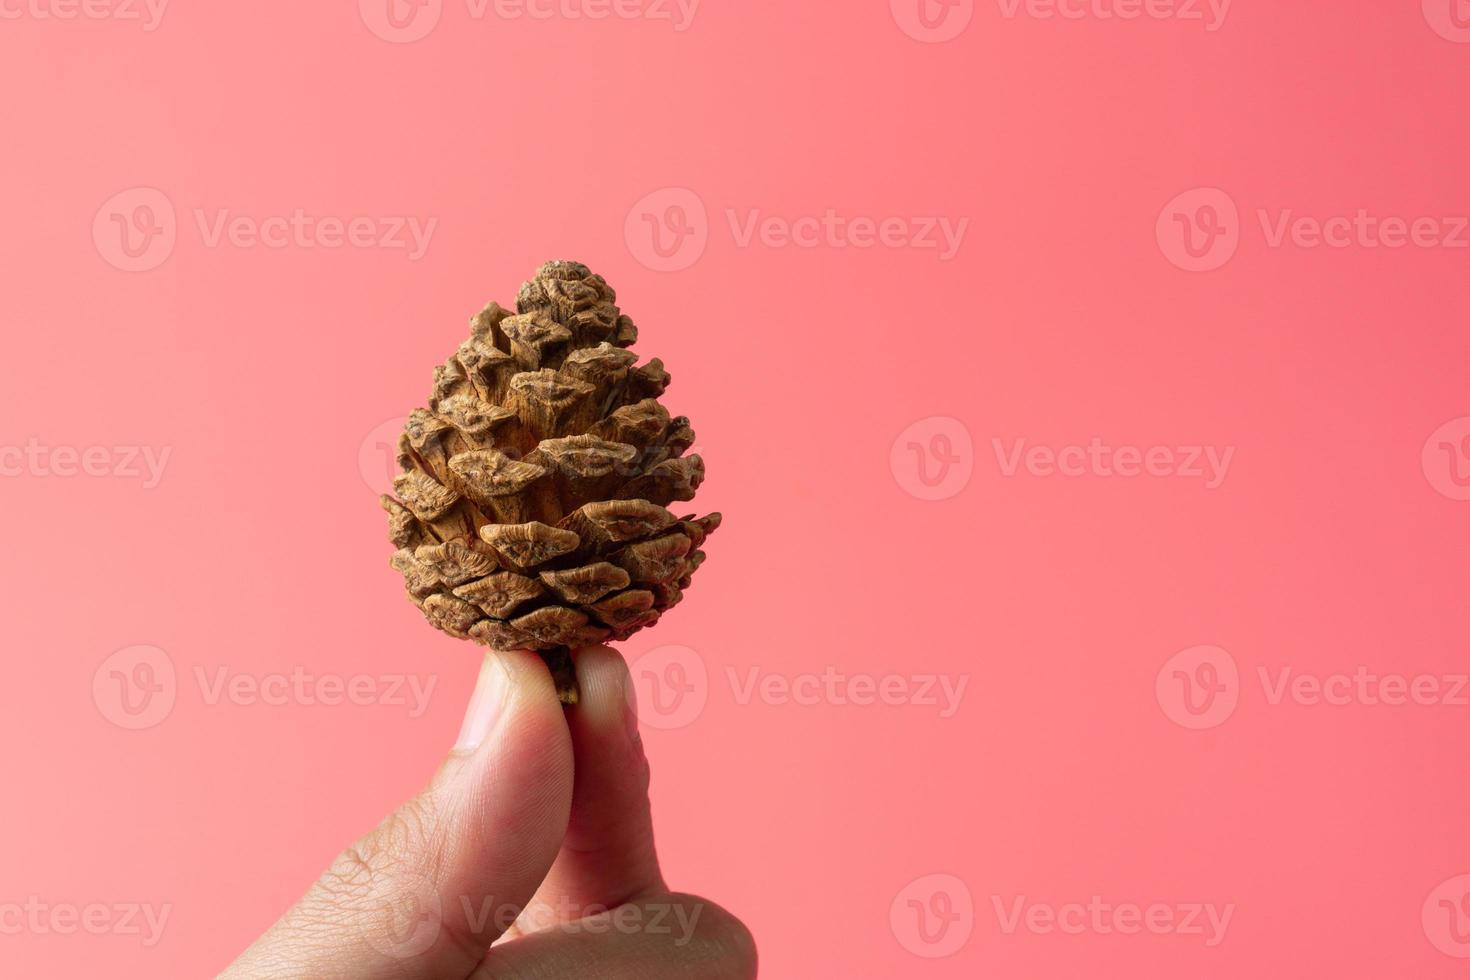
{"points": [[1074, 765]]}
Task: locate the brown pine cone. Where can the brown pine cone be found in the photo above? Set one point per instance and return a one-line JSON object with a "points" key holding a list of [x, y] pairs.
{"points": [[531, 510]]}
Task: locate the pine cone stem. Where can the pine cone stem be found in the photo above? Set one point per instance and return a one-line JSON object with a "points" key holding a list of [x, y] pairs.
{"points": [[563, 672]]}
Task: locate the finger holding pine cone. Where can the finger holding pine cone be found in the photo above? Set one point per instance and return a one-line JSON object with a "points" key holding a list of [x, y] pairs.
{"points": [[531, 512]]}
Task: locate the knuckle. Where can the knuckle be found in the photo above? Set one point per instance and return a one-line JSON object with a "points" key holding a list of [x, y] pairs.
{"points": [[351, 872], [403, 846]]}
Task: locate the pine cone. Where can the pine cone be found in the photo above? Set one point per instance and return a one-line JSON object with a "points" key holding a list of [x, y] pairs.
{"points": [[531, 510]]}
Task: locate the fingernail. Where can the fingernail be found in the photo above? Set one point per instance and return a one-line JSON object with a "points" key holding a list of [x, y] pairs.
{"points": [[485, 704], [630, 705]]}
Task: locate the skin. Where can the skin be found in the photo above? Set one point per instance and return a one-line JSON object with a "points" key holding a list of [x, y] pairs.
{"points": [[529, 855]]}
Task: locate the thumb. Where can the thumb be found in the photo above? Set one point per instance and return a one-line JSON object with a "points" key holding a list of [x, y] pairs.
{"points": [[425, 893]]}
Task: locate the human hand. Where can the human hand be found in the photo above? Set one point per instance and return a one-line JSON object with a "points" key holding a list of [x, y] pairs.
{"points": [[508, 847]]}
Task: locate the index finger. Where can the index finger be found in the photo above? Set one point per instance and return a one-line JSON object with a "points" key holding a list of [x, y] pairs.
{"points": [[607, 856]]}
